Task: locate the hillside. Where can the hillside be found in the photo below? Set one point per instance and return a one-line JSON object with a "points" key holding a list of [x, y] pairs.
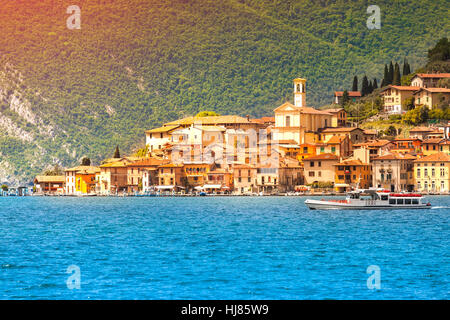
{"points": [[136, 64]]}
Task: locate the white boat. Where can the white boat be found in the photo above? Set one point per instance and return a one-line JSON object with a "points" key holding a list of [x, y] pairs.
{"points": [[371, 200]]}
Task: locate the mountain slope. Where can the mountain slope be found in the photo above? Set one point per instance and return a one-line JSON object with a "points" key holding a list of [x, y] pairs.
{"points": [[136, 64]]}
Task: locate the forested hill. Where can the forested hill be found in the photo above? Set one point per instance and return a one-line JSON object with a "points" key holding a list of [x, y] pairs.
{"points": [[136, 64]]}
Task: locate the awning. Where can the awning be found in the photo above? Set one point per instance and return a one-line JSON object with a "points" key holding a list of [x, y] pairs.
{"points": [[198, 188], [165, 187], [341, 185], [212, 186]]}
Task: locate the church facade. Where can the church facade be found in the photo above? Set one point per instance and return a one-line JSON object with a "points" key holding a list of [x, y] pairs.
{"points": [[294, 121]]}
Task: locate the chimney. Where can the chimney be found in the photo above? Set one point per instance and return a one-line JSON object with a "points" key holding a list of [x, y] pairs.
{"points": [[248, 117]]}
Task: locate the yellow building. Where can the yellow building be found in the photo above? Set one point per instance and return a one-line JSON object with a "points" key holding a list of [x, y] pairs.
{"points": [[431, 97], [394, 96], [352, 174], [81, 180], [432, 173], [293, 121]]}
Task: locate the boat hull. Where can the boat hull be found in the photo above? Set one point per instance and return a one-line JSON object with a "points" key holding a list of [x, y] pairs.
{"points": [[329, 205]]}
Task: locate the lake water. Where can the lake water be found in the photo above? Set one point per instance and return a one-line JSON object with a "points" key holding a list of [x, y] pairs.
{"points": [[219, 248]]}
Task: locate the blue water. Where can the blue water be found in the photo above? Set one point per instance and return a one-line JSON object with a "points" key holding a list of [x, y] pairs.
{"points": [[219, 248]]}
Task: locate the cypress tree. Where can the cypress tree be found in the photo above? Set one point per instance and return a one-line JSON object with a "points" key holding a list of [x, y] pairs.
{"points": [[396, 80], [117, 152], [355, 83], [364, 86], [345, 98], [390, 73], [370, 87], [406, 67], [386, 76], [375, 84]]}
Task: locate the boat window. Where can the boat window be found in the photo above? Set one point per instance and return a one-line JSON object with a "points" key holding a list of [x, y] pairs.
{"points": [[384, 197], [407, 201], [391, 201], [399, 201], [415, 201]]}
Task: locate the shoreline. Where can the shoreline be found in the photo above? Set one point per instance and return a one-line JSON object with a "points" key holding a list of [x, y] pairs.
{"points": [[202, 196]]}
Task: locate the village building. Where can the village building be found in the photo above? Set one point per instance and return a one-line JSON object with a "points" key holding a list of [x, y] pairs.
{"points": [[428, 80], [431, 146], [432, 97], [292, 121], [113, 176], [352, 173], [355, 135], [376, 148], [407, 145], [142, 174], [336, 144], [432, 173], [81, 180], [320, 168], [171, 178], [444, 146], [420, 132], [156, 138], [395, 96], [394, 172], [244, 179], [219, 180], [354, 96], [196, 173], [339, 117], [49, 184]]}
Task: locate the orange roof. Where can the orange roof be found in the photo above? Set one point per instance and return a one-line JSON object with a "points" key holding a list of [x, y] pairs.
{"points": [[340, 129], [335, 140], [211, 120], [50, 179], [322, 156], [402, 88], [432, 141], [351, 162], [162, 129], [373, 143], [334, 110], [435, 90], [396, 156], [243, 166], [148, 162], [436, 157], [350, 93], [170, 165], [421, 129], [433, 75]]}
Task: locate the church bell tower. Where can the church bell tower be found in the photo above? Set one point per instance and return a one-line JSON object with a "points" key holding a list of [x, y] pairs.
{"points": [[300, 92]]}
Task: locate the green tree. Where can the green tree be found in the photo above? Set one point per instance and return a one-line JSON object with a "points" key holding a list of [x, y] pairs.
{"points": [[345, 98], [4, 187], [374, 84], [390, 73], [207, 114], [85, 161], [355, 83], [440, 52], [406, 68], [364, 86], [396, 80], [385, 81], [117, 152]]}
